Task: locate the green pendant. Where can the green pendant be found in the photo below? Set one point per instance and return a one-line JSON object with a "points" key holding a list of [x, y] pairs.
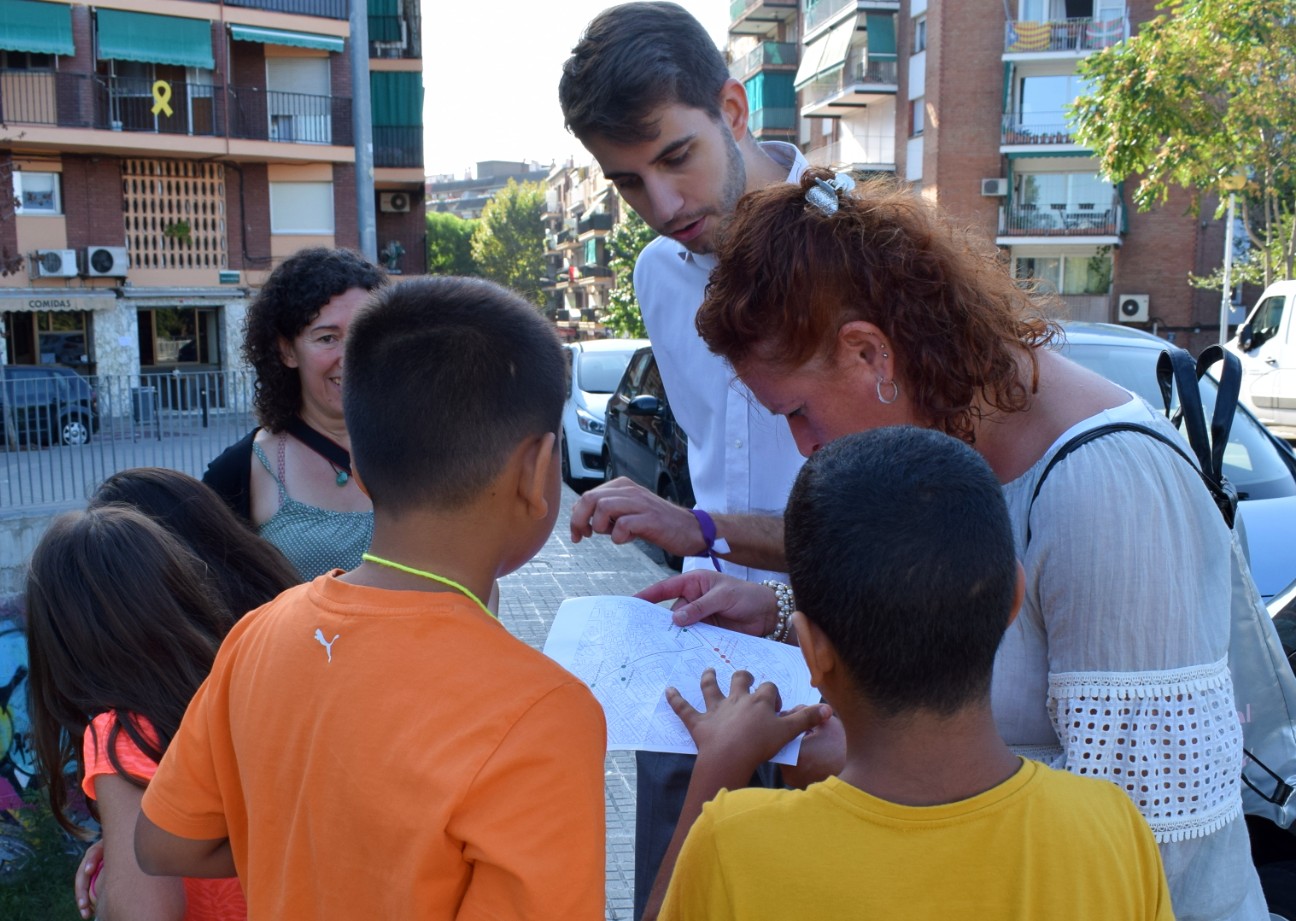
{"points": [[342, 477]]}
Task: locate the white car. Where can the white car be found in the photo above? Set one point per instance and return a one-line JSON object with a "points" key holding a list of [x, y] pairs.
{"points": [[596, 369], [1266, 346], [1258, 463]]}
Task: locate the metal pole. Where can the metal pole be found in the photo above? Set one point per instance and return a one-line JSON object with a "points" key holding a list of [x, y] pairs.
{"points": [[362, 130], [1226, 296]]}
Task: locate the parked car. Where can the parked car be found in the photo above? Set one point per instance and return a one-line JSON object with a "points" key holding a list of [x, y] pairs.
{"points": [[48, 405], [1266, 346], [643, 441], [596, 368], [1261, 465]]}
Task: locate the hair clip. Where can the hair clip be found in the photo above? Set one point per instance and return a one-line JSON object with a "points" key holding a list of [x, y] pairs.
{"points": [[825, 195]]}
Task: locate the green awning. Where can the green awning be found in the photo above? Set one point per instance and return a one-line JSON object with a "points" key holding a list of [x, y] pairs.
{"points": [[284, 37], [396, 97], [155, 39], [41, 28]]}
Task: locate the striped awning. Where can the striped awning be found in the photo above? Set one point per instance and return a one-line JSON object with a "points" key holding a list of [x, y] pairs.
{"points": [[154, 39], [39, 28], [284, 37]]}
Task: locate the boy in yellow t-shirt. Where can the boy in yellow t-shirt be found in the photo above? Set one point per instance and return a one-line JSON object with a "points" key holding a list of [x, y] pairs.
{"points": [[373, 744], [902, 561]]}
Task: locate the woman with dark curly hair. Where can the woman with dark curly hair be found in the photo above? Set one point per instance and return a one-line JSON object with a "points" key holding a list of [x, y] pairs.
{"points": [[291, 476], [851, 309]]}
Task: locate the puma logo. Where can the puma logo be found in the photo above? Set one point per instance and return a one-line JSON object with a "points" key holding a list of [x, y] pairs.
{"points": [[327, 644]]}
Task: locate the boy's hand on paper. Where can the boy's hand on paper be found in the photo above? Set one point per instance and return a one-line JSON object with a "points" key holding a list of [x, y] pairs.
{"points": [[744, 728], [716, 598], [823, 753]]}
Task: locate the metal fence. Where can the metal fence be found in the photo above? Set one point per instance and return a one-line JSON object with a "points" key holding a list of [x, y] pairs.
{"points": [[180, 421]]}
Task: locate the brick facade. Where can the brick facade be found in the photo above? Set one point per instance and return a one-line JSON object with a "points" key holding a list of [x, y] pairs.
{"points": [[94, 218]]}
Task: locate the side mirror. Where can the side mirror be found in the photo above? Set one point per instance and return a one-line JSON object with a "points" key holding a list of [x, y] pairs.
{"points": [[1245, 337], [644, 405]]}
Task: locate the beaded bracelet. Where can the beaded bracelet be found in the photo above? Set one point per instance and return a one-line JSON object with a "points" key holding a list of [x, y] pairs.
{"points": [[786, 605]]}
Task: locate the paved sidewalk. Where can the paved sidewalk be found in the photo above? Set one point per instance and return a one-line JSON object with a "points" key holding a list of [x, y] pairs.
{"points": [[528, 600]]}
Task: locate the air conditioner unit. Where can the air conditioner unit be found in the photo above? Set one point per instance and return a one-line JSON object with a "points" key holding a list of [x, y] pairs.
{"points": [[1132, 308], [110, 261], [994, 188], [55, 263], [394, 202]]}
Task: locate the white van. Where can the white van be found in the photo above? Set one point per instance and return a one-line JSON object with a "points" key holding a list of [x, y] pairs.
{"points": [[1266, 345]]}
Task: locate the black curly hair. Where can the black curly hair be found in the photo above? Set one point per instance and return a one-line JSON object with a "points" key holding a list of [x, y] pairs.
{"points": [[290, 299]]}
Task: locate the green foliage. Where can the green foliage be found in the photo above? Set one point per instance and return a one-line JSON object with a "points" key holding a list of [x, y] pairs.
{"points": [[449, 244], [624, 243], [38, 862], [508, 244], [1205, 91]]}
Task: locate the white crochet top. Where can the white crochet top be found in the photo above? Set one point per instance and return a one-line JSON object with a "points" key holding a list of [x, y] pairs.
{"points": [[1117, 665]]}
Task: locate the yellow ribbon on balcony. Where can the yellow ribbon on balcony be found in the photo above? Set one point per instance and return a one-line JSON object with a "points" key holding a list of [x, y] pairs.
{"points": [[162, 98]]}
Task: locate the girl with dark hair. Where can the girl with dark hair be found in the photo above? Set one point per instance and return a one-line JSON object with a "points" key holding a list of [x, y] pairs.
{"points": [[291, 476], [122, 627], [846, 309], [245, 570]]}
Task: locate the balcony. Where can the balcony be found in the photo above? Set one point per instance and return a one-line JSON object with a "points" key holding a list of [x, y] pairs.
{"points": [[269, 115], [329, 9], [857, 84], [772, 119], [395, 36], [825, 11], [594, 222], [34, 97], [1038, 129], [398, 146], [1071, 36], [863, 152], [1061, 219], [759, 17], [193, 109], [771, 55]]}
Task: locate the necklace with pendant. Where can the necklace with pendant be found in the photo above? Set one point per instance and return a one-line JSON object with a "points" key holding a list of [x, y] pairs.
{"points": [[448, 583]]}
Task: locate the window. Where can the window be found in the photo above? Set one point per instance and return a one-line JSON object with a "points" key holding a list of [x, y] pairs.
{"points": [[916, 116], [920, 34], [25, 60], [50, 337], [1069, 273], [1063, 191], [1042, 100], [37, 193], [301, 207], [178, 335]]}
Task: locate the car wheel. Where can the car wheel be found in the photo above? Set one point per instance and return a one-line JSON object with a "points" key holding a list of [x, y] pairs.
{"points": [[566, 463], [667, 491], [75, 430]]}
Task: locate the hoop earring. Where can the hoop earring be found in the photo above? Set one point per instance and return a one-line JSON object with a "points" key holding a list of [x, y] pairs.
{"points": [[895, 391]]}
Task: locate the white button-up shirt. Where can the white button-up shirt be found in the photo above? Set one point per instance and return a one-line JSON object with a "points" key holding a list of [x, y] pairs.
{"points": [[742, 459]]}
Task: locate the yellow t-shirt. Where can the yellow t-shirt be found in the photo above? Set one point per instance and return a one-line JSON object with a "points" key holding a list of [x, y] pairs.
{"points": [[393, 755], [1043, 844]]}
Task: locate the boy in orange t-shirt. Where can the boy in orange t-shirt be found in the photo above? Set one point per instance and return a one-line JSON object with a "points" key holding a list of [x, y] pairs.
{"points": [[373, 744]]}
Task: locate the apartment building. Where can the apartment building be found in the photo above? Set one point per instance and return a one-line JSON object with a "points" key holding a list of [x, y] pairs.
{"points": [[764, 54], [467, 197], [581, 208], [159, 157], [967, 102]]}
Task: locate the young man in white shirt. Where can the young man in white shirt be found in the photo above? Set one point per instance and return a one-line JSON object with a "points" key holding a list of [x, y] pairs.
{"points": [[649, 95]]}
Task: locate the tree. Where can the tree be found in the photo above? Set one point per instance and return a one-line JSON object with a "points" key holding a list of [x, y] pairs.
{"points": [[624, 243], [1204, 92], [449, 244], [508, 244]]}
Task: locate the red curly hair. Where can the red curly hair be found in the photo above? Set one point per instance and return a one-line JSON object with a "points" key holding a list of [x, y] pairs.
{"points": [[790, 276]]}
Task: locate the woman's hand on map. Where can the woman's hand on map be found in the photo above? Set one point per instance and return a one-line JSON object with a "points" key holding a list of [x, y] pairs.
{"points": [[745, 728], [716, 598]]}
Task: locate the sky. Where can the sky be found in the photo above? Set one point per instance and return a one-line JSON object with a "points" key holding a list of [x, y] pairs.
{"points": [[490, 77]]}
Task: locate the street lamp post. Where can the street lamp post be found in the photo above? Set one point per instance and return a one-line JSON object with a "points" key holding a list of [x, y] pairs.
{"points": [[1231, 184]]}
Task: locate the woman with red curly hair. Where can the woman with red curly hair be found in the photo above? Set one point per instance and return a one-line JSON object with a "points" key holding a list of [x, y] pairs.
{"points": [[850, 309]]}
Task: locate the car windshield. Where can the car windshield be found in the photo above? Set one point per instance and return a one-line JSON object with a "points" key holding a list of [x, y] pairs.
{"points": [[1251, 461], [600, 372]]}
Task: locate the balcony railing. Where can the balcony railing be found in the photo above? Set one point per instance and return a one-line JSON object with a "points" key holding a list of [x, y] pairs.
{"points": [[395, 36], [329, 9], [740, 8], [824, 10], [772, 118], [269, 115], [1064, 34], [1061, 219], [596, 221], [123, 104], [1039, 128], [398, 146], [869, 151], [857, 73], [766, 54], [34, 97]]}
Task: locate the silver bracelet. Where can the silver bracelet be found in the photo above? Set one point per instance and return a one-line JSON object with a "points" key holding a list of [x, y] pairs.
{"points": [[786, 605]]}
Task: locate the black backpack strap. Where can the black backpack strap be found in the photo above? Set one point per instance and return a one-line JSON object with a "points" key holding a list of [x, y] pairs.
{"points": [[322, 445]]}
